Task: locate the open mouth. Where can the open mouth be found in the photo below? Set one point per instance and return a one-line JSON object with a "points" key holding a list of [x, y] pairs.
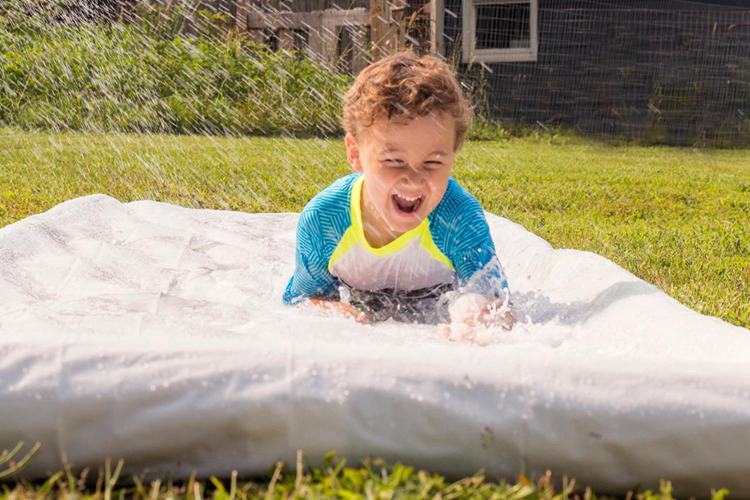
{"points": [[407, 204]]}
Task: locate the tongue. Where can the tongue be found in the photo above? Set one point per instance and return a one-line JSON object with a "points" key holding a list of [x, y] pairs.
{"points": [[406, 206]]}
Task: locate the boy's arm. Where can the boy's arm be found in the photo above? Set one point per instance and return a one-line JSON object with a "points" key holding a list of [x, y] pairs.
{"points": [[338, 307], [311, 282], [484, 293], [311, 277], [477, 267]]}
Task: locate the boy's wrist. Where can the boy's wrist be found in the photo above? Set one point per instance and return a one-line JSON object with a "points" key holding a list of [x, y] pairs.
{"points": [[467, 307], [476, 310], [336, 306]]}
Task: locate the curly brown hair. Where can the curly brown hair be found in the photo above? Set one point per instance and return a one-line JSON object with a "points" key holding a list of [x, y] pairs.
{"points": [[402, 86]]}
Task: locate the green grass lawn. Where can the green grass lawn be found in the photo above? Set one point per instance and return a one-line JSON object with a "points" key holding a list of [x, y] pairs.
{"points": [[372, 479], [678, 218]]}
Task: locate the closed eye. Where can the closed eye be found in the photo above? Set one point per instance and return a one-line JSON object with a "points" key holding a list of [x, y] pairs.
{"points": [[395, 163]]}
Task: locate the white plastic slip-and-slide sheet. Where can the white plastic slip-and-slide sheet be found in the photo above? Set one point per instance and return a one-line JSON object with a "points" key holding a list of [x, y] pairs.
{"points": [[156, 334]]}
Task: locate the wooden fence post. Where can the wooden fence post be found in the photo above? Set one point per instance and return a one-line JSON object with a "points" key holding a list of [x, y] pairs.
{"points": [[378, 26], [359, 59], [329, 34], [240, 21], [387, 26], [437, 13], [397, 27], [314, 25]]}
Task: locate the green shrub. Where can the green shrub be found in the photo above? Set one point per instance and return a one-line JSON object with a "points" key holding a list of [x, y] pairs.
{"points": [[119, 77], [153, 76]]}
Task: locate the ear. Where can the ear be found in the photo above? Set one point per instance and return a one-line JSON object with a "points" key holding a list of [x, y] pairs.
{"points": [[352, 152]]}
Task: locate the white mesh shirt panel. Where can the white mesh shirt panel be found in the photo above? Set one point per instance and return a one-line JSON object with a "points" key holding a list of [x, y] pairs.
{"points": [[410, 268]]}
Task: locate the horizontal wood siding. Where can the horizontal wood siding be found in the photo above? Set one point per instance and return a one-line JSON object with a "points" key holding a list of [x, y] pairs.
{"points": [[671, 76]]}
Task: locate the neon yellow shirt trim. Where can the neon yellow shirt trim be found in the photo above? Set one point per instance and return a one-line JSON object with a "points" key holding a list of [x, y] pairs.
{"points": [[355, 234]]}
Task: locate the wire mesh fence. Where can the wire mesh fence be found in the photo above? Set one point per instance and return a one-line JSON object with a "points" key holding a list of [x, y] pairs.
{"points": [[672, 72], [678, 76]]}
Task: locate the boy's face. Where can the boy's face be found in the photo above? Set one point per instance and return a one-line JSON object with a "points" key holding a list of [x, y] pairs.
{"points": [[406, 169]]}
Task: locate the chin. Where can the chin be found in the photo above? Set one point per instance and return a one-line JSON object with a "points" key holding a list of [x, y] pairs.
{"points": [[402, 228], [402, 223]]}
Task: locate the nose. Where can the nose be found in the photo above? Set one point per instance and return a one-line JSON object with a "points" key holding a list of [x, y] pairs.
{"points": [[415, 176]]}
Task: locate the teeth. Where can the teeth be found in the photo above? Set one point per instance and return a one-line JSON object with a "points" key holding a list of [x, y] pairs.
{"points": [[407, 198]]}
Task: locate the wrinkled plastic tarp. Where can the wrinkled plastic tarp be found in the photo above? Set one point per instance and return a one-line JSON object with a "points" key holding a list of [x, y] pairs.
{"points": [[156, 334]]}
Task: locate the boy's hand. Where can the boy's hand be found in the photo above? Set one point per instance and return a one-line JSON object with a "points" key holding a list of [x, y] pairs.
{"points": [[496, 315], [472, 312], [341, 308]]}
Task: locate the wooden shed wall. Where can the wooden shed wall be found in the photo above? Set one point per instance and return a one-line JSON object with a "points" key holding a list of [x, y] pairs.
{"points": [[309, 5], [672, 75]]}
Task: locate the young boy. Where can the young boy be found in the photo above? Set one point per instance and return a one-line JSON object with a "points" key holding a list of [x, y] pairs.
{"points": [[400, 238]]}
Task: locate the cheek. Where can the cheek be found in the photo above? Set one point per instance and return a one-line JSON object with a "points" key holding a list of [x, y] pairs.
{"points": [[380, 187], [386, 179], [438, 186], [438, 182]]}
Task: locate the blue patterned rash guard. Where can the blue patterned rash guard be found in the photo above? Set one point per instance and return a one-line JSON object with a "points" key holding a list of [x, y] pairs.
{"points": [[452, 246]]}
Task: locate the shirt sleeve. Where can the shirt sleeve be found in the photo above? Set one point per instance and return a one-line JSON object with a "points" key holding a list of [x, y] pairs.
{"points": [[311, 277], [473, 254]]}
